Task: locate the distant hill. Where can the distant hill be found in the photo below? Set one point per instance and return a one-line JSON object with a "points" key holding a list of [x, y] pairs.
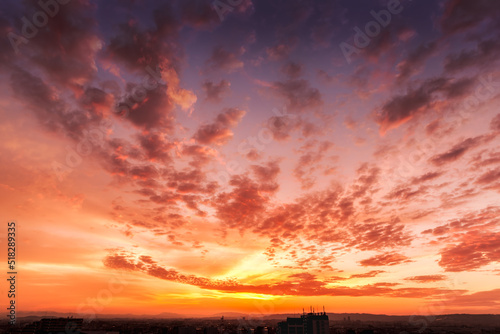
{"points": [[164, 315], [454, 319], [228, 315], [352, 316]]}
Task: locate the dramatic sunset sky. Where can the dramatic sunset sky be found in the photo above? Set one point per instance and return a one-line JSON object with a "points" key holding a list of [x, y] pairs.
{"points": [[259, 157]]}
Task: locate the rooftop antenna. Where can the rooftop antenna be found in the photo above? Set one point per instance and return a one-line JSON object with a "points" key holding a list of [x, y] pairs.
{"points": [[324, 309]]}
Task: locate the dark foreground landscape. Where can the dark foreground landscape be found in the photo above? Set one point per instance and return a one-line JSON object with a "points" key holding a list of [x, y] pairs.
{"points": [[309, 323]]}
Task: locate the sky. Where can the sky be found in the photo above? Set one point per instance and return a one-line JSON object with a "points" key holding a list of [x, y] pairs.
{"points": [[254, 156]]}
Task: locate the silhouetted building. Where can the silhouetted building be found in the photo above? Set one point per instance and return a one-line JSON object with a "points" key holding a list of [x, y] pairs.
{"points": [[61, 325], [260, 330], [29, 329], [310, 323], [245, 330], [54, 326], [210, 330], [184, 330]]}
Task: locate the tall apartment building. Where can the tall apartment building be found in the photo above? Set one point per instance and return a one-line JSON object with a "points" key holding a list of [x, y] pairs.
{"points": [[308, 323]]}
